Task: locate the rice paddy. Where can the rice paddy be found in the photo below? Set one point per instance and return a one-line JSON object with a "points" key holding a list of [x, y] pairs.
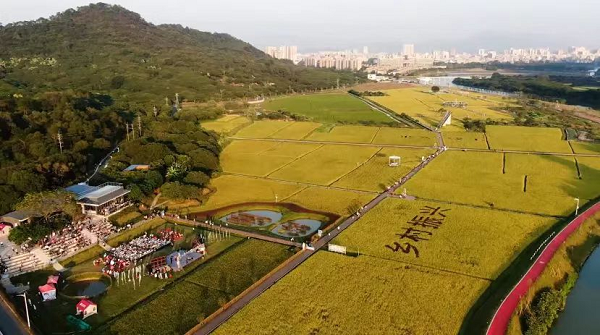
{"points": [[519, 182], [446, 237], [527, 139], [423, 105], [226, 124], [337, 294], [327, 108]]}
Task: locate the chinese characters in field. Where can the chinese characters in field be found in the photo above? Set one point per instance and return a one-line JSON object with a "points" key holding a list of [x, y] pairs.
{"points": [[421, 228]]}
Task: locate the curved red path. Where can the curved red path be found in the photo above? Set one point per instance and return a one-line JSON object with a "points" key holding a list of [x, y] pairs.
{"points": [[499, 323]]}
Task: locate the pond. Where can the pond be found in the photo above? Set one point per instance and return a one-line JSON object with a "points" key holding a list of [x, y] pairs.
{"points": [[582, 312], [85, 288], [254, 218], [297, 228]]}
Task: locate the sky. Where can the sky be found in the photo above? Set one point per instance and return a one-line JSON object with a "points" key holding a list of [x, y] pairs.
{"points": [[382, 25]]}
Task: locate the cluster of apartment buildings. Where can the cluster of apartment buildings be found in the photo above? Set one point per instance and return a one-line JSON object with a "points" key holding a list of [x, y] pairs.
{"points": [[409, 60], [283, 52]]}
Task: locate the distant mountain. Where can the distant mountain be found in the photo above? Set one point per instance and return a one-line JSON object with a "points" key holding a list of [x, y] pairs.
{"points": [[106, 48]]}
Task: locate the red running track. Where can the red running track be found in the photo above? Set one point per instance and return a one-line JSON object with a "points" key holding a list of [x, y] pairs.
{"points": [[499, 323]]}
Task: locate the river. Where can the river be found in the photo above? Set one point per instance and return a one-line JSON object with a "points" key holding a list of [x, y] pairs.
{"points": [[582, 313]]}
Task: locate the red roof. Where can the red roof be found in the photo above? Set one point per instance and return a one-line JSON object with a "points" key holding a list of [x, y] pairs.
{"points": [[52, 280], [47, 288], [84, 304], [2, 226]]}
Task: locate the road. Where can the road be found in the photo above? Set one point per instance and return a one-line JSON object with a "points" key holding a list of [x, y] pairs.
{"points": [[216, 320], [9, 322], [102, 162], [501, 319]]}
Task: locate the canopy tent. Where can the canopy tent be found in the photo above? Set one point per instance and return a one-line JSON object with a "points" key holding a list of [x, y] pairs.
{"points": [[48, 292], [52, 280]]}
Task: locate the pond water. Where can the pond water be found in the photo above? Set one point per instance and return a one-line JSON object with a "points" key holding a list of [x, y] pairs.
{"points": [[297, 228], [87, 288], [582, 312], [255, 218]]}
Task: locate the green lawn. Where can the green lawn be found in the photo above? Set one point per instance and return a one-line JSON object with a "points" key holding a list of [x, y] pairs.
{"points": [[328, 108]]}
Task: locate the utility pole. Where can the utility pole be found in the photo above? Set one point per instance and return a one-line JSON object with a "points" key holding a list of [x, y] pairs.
{"points": [[127, 130], [24, 295], [60, 141], [338, 83]]}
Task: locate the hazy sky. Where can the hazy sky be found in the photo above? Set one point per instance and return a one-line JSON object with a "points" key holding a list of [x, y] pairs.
{"points": [[383, 25]]}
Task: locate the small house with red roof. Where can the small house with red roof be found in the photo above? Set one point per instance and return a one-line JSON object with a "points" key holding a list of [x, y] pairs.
{"points": [[48, 292], [86, 308]]}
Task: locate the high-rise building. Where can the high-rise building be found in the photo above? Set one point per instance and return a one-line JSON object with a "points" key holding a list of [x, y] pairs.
{"points": [[365, 50], [282, 52], [408, 50]]}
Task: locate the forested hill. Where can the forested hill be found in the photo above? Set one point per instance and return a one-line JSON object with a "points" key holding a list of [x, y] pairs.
{"points": [[108, 49]]}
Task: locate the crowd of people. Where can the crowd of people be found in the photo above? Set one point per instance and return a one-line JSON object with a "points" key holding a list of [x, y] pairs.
{"points": [[140, 247], [71, 238]]}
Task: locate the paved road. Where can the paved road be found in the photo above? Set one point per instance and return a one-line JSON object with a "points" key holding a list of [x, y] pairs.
{"points": [[224, 315], [237, 232], [501, 319], [8, 322]]}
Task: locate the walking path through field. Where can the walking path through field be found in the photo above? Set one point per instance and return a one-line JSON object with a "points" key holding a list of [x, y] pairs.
{"points": [[215, 320], [501, 319], [235, 231]]}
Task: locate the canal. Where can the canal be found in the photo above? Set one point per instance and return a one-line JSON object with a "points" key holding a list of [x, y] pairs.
{"points": [[582, 312]]}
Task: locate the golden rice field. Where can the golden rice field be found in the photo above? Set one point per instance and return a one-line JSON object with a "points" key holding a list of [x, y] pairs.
{"points": [[459, 138], [405, 136], [226, 124], [297, 131], [585, 148], [337, 201], [472, 241], [354, 134], [231, 190], [337, 294], [263, 129], [262, 158], [495, 180], [325, 165], [376, 174], [527, 139], [423, 105]]}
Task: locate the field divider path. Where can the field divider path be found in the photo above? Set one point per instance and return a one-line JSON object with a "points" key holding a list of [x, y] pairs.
{"points": [[541, 153], [335, 143], [500, 320], [356, 168], [213, 321], [301, 183], [293, 161]]}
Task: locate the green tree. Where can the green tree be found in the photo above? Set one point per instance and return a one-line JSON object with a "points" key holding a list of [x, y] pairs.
{"points": [[49, 203], [27, 181], [197, 178]]}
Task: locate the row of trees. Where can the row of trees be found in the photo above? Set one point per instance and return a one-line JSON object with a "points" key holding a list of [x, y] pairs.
{"points": [[542, 87]]}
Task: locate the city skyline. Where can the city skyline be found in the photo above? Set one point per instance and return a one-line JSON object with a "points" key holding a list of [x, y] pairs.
{"points": [[385, 24]]}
